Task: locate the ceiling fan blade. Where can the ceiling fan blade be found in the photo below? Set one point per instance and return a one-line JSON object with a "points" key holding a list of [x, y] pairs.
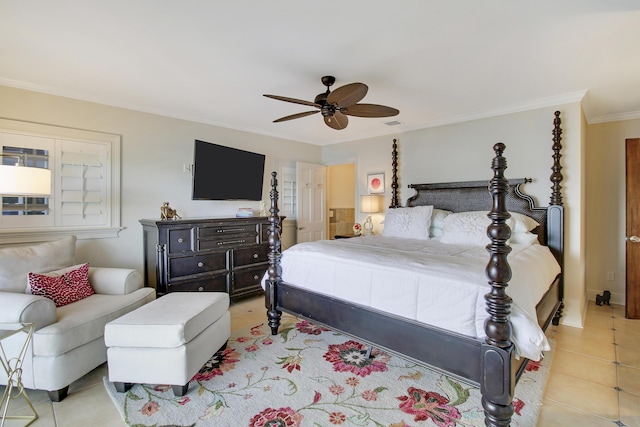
{"points": [[294, 100], [338, 121], [369, 110], [295, 116], [348, 95]]}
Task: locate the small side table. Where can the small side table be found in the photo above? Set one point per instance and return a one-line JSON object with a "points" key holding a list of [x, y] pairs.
{"points": [[13, 368], [345, 236]]}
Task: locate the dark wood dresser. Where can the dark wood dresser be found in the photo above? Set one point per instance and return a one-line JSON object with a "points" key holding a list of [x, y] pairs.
{"points": [[209, 254]]}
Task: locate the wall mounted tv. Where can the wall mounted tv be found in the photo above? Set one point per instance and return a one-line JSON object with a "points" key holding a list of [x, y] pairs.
{"points": [[225, 173]]}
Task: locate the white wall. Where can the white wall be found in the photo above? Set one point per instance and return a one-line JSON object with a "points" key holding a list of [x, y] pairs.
{"points": [[154, 150], [463, 152]]}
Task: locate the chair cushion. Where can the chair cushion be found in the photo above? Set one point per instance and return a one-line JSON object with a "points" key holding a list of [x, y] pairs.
{"points": [[170, 321], [83, 321], [16, 262]]}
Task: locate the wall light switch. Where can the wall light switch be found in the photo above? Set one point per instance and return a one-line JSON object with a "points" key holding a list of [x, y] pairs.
{"points": [[611, 275], [186, 168]]}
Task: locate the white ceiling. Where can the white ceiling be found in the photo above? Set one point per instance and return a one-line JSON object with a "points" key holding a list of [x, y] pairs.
{"points": [[437, 61]]}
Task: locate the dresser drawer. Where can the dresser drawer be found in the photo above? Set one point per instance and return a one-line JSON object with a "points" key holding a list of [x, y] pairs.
{"points": [[180, 240], [219, 231], [197, 264], [250, 255], [227, 242], [211, 284], [247, 279]]}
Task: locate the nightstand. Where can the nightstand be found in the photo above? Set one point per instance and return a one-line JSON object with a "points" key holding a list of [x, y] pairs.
{"points": [[345, 236]]}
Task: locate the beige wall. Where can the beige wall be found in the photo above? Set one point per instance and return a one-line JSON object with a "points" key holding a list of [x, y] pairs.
{"points": [[154, 150], [605, 206]]}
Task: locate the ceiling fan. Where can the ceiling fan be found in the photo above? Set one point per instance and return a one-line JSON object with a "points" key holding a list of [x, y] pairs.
{"points": [[337, 105]]}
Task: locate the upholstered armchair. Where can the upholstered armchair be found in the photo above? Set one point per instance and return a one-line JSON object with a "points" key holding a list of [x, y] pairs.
{"points": [[68, 341]]}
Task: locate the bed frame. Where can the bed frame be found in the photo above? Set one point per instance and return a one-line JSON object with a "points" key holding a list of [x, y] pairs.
{"points": [[491, 364]]}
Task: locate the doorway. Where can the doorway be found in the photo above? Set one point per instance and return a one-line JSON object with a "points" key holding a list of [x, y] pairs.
{"points": [[341, 199]]}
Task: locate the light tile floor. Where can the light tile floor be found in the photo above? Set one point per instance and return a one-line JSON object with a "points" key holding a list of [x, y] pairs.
{"points": [[594, 381]]}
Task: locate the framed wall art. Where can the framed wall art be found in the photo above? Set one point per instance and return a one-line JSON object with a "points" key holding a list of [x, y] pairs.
{"points": [[375, 183]]}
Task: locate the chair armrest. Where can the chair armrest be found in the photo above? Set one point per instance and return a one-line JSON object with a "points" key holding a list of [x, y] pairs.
{"points": [[27, 308], [114, 281]]}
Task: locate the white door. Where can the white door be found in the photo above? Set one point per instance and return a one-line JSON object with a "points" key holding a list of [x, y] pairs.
{"points": [[312, 195]]}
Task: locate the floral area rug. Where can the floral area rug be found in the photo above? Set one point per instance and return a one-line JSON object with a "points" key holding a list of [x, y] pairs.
{"points": [[311, 376]]}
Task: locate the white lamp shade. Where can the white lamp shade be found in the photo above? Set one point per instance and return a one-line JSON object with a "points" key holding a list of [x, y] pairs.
{"points": [[24, 181], [370, 203]]}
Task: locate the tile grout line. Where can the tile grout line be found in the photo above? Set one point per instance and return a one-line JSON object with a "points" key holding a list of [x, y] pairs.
{"points": [[615, 351]]}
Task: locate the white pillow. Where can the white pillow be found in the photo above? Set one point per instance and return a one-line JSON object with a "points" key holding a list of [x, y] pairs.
{"points": [[523, 223], [524, 238], [409, 223], [468, 228], [438, 216], [437, 222], [16, 262]]}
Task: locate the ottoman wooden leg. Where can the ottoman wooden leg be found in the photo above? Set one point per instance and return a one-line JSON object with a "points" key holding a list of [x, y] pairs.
{"points": [[122, 387], [180, 390]]}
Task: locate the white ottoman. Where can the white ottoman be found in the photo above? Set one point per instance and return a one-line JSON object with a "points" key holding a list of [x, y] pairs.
{"points": [[168, 340]]}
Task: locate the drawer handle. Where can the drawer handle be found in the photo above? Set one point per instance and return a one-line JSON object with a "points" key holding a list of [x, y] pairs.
{"points": [[229, 242], [200, 264], [200, 289], [180, 240], [229, 230], [255, 256], [256, 277]]}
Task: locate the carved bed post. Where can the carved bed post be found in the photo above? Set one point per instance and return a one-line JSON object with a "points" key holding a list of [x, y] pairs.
{"points": [[394, 176], [498, 383], [556, 175], [274, 271], [555, 211]]}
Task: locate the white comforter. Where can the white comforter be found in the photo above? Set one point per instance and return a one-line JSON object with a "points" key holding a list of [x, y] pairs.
{"points": [[439, 284]]}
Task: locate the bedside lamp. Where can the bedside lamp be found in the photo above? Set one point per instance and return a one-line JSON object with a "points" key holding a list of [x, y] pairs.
{"points": [[370, 203], [23, 180]]}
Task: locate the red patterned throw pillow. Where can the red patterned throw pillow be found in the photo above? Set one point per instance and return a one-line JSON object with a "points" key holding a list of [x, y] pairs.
{"points": [[62, 287]]}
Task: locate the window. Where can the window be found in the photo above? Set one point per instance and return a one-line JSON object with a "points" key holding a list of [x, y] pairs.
{"points": [[85, 196], [22, 205]]}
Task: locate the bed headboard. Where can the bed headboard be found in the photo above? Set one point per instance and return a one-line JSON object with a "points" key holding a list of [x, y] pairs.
{"points": [[475, 196]]}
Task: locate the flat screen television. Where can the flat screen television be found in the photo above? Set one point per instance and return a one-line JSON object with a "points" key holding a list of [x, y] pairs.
{"points": [[225, 173]]}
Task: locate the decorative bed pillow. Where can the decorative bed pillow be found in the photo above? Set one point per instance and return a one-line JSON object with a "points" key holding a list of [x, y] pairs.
{"points": [[523, 223], [62, 286], [437, 222], [523, 238], [468, 228], [409, 223]]}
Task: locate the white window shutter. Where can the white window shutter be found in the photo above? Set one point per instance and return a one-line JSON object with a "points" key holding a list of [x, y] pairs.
{"points": [[83, 179]]}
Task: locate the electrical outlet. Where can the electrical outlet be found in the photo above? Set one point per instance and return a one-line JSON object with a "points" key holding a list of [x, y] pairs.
{"points": [[611, 276]]}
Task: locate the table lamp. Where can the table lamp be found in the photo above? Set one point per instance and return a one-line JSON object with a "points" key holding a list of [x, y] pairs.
{"points": [[369, 203]]}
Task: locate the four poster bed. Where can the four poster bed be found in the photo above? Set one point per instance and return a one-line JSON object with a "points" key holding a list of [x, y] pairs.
{"points": [[491, 347]]}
